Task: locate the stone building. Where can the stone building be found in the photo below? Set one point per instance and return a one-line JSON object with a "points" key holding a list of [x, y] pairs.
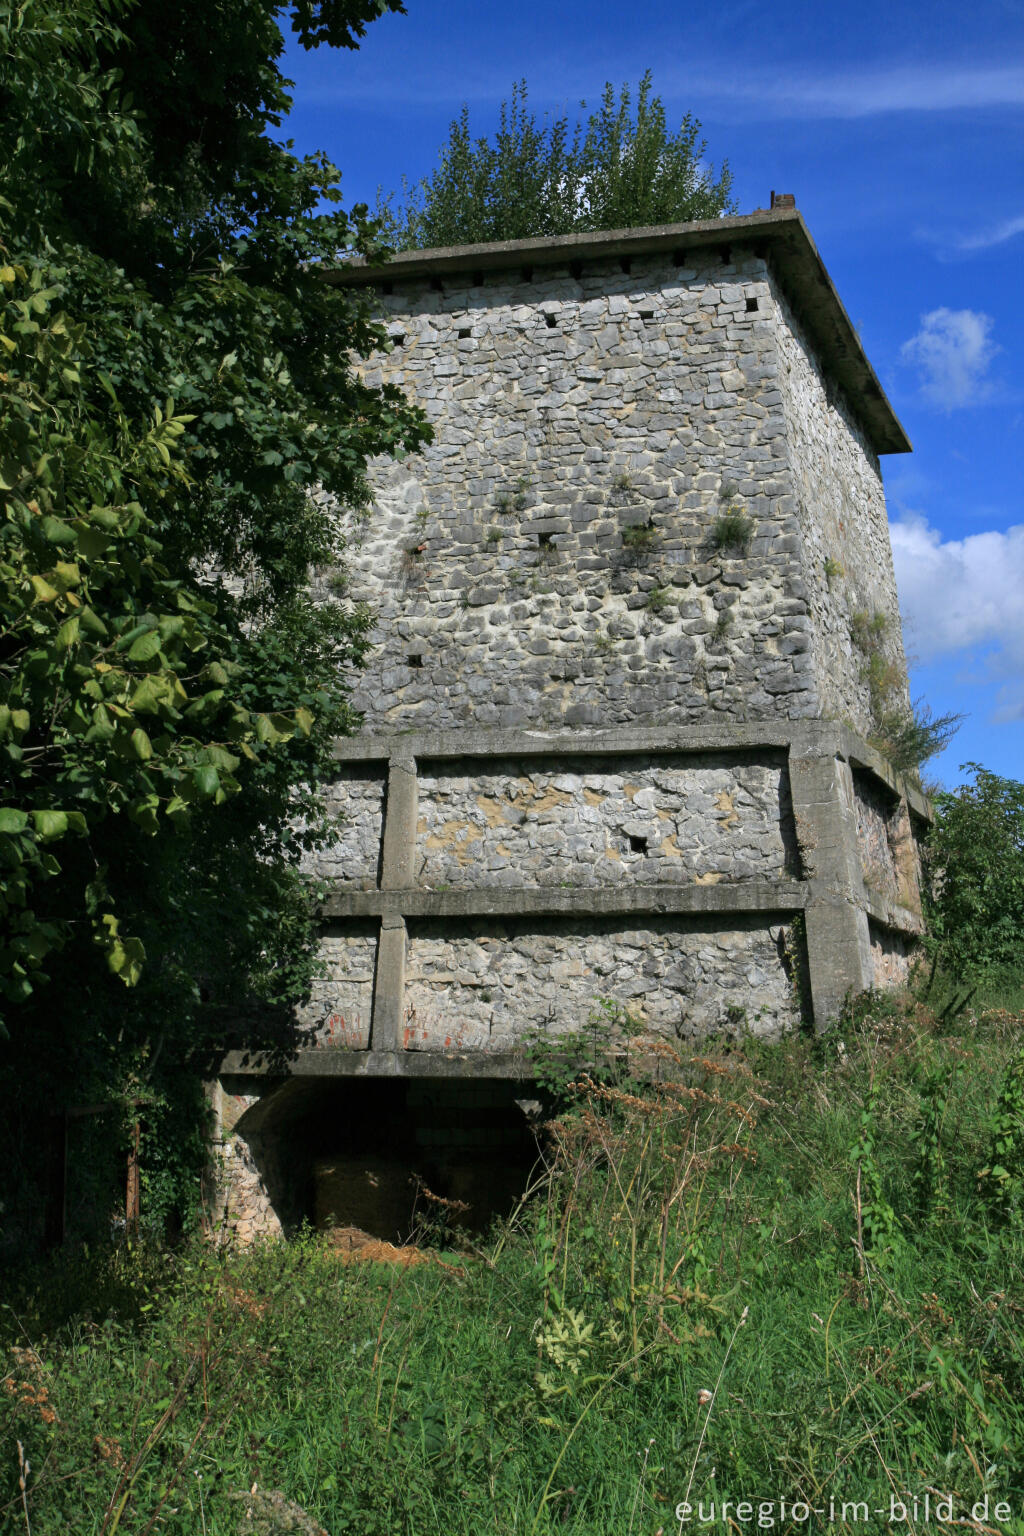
{"points": [[636, 620]]}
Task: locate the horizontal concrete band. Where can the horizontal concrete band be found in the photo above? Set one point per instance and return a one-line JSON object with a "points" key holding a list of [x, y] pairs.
{"points": [[349, 1063], [805, 738], [782, 896]]}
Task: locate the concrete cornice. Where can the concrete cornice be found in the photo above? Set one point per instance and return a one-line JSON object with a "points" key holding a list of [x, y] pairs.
{"points": [[781, 237]]}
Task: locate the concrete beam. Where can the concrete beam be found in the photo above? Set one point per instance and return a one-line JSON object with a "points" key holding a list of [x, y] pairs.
{"points": [[636, 901], [383, 1063]]}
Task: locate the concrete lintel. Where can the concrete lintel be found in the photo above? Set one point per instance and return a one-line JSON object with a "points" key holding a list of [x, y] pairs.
{"points": [[382, 1063], [483, 741], [748, 896], [865, 757], [389, 985], [890, 914]]}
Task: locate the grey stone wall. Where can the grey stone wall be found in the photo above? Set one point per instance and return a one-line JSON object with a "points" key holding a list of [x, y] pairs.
{"points": [[598, 821], [550, 557], [339, 1011], [485, 990], [355, 804], [846, 555]]}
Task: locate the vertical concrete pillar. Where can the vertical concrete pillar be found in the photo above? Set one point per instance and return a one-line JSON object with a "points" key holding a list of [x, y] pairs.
{"points": [[399, 856], [398, 865], [389, 986], [836, 924]]}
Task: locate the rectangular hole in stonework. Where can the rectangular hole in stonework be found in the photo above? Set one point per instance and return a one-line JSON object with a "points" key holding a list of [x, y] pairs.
{"points": [[465, 334], [637, 844], [576, 270], [415, 659], [679, 258], [436, 285], [751, 306], [387, 288], [647, 314], [725, 254], [527, 274], [478, 279], [625, 264], [398, 339], [550, 321]]}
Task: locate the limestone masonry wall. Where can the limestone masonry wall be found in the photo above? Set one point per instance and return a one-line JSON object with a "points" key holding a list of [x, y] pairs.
{"points": [[550, 557], [840, 505], [486, 990], [598, 821]]}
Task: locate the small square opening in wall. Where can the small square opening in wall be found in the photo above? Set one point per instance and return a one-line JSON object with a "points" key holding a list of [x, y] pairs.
{"points": [[398, 339], [465, 333], [626, 264], [387, 288], [550, 321], [647, 315], [751, 306], [478, 279], [637, 844], [436, 285], [546, 541], [415, 659]]}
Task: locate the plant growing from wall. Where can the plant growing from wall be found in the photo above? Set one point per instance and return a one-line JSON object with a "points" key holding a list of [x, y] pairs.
{"points": [[833, 570], [732, 532], [657, 600]]}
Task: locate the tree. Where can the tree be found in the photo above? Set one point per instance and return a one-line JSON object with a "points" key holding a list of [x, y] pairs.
{"points": [[621, 170], [975, 881], [175, 375]]}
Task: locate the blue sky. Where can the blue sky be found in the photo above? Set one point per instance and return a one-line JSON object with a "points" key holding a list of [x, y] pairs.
{"points": [[900, 128]]}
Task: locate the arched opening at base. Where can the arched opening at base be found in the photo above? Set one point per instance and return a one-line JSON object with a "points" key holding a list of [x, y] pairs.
{"points": [[392, 1157]]}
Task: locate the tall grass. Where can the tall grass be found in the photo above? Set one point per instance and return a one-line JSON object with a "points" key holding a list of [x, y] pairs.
{"points": [[769, 1273]]}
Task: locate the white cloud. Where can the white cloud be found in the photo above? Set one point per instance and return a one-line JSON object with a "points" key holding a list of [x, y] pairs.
{"points": [[952, 351], [783, 90], [964, 595], [998, 234]]}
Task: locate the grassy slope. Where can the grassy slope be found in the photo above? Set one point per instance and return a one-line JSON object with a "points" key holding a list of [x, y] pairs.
{"points": [[797, 1232]]}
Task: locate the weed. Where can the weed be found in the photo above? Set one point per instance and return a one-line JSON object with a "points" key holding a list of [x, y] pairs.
{"points": [[639, 537], [604, 643], [867, 630], [494, 536], [657, 600], [337, 583], [833, 570], [909, 736], [732, 531], [623, 481]]}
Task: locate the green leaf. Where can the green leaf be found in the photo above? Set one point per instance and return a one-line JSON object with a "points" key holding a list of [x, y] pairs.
{"points": [[12, 821], [50, 824], [207, 780], [141, 744], [57, 531], [145, 647]]}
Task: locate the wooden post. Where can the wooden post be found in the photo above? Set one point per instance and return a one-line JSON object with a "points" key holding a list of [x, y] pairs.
{"points": [[132, 1191]]}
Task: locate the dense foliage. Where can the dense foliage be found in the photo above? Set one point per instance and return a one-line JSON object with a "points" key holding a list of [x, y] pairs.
{"points": [[175, 374], [975, 885], [623, 169], [767, 1276]]}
